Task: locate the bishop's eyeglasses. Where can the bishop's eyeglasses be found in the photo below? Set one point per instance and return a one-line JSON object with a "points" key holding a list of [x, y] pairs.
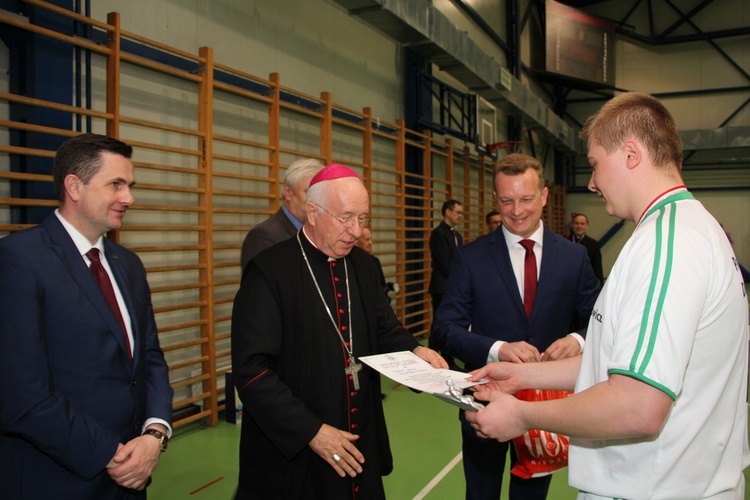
{"points": [[348, 221]]}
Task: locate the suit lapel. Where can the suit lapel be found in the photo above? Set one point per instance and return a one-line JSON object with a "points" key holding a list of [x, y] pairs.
{"points": [[119, 275], [501, 259], [66, 250], [548, 269]]}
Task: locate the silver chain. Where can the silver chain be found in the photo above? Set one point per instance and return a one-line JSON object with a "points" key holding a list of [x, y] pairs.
{"points": [[349, 350]]}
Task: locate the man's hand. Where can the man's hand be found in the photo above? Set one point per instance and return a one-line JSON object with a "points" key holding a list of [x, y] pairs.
{"points": [[501, 377], [432, 357], [330, 443], [499, 419], [518, 352], [565, 347], [134, 462]]}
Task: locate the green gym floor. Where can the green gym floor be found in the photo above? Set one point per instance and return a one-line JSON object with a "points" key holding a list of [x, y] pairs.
{"points": [[202, 463]]}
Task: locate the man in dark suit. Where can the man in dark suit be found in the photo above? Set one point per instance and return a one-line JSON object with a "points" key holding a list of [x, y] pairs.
{"points": [[85, 400], [510, 321], [579, 224], [289, 218], [444, 239]]}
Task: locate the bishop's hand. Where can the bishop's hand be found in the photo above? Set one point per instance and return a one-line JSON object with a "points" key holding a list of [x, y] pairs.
{"points": [[337, 448]]}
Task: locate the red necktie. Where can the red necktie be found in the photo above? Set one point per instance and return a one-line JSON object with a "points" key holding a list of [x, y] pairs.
{"points": [[102, 279], [529, 277]]}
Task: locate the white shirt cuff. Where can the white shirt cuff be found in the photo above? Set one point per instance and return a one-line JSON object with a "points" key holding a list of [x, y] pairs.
{"points": [[157, 421], [492, 356], [581, 340]]}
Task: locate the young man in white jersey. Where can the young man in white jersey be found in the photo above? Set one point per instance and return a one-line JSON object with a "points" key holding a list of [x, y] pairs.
{"points": [[659, 409]]}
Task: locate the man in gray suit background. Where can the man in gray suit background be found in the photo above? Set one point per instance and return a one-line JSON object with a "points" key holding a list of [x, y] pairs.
{"points": [[290, 217]]}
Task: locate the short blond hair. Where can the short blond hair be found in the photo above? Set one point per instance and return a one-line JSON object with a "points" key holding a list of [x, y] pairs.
{"points": [[639, 116]]}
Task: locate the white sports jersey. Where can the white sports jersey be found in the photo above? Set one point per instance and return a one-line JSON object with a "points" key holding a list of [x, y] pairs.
{"points": [[673, 314]]}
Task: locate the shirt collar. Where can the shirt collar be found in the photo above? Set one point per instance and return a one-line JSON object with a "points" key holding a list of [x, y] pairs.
{"points": [[292, 218], [514, 239], [666, 194], [81, 242]]}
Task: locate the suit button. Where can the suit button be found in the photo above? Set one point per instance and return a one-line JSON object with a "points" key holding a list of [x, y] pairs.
{"points": [[133, 383]]}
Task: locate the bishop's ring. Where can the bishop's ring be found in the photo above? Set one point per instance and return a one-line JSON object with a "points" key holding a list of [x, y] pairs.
{"points": [[336, 458]]}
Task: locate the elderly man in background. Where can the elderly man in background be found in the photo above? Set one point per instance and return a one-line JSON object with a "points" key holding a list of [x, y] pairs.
{"points": [[289, 218]]}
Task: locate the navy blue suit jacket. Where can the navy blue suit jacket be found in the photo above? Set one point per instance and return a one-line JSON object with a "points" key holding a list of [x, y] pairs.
{"points": [[482, 292], [68, 393]]}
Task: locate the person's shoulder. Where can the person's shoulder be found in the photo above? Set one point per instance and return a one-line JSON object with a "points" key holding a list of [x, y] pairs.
{"points": [[21, 237], [278, 252], [31, 238], [122, 253], [269, 225], [358, 255], [552, 237], [560, 243], [481, 244], [589, 241]]}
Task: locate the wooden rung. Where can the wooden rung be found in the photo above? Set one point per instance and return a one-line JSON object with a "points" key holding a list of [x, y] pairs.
{"points": [[188, 401], [182, 345], [25, 202], [187, 362], [181, 326], [179, 307], [172, 288], [189, 381], [192, 418]]}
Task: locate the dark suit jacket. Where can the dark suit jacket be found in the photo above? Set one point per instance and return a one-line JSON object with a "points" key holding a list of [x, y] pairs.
{"points": [[442, 248], [595, 256], [68, 393], [275, 229], [482, 292]]}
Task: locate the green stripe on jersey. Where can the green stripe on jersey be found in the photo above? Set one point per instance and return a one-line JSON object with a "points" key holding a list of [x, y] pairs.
{"points": [[654, 305]]}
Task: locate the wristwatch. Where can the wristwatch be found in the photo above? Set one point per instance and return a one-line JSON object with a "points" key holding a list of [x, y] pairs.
{"points": [[163, 438]]}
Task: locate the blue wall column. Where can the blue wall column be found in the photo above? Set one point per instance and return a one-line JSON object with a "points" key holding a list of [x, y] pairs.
{"points": [[42, 68]]}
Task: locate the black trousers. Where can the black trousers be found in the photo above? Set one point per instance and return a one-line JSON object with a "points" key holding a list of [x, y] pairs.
{"points": [[484, 464]]}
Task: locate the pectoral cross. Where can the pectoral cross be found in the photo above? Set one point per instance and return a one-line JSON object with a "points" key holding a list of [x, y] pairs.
{"points": [[353, 369]]}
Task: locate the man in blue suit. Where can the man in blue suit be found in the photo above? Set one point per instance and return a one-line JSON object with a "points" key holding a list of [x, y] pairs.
{"points": [[85, 400], [487, 292]]}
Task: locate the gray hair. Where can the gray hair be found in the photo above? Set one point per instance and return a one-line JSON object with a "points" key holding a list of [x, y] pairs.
{"points": [[300, 169]]}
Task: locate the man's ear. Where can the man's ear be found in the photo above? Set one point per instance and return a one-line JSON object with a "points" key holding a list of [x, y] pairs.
{"points": [[72, 185], [286, 192], [310, 210], [633, 154]]}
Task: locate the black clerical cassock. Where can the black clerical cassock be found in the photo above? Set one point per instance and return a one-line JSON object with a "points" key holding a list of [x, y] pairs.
{"points": [[290, 368]]}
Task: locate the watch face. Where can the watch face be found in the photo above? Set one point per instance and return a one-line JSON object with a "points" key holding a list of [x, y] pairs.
{"points": [[163, 438]]}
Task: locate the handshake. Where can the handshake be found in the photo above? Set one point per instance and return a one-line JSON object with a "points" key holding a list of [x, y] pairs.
{"points": [[391, 287]]}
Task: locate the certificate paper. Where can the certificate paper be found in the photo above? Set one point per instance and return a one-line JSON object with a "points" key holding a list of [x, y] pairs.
{"points": [[412, 371]]}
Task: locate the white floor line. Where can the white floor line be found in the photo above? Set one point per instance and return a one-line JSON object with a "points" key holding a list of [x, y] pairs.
{"points": [[439, 477]]}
